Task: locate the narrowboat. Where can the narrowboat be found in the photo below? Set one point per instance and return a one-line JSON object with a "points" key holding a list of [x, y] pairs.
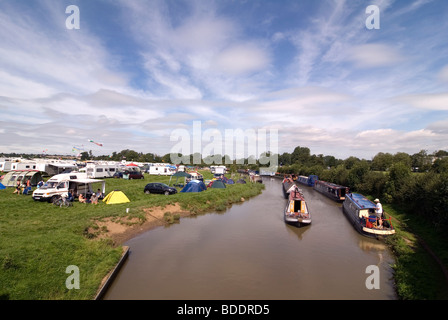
{"points": [[287, 185], [296, 210], [361, 213], [308, 181], [331, 190]]}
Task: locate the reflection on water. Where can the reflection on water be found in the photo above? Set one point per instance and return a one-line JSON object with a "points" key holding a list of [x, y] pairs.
{"points": [[248, 252]]}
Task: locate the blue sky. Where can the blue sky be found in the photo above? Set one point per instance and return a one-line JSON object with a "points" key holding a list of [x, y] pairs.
{"points": [[137, 70]]}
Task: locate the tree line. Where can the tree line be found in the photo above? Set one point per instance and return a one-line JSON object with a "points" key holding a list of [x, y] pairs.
{"points": [[418, 183]]}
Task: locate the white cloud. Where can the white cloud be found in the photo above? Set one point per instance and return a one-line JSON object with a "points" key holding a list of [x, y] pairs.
{"points": [[430, 101], [241, 59], [375, 55], [443, 74]]}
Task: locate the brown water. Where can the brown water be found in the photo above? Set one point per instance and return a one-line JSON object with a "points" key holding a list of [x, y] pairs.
{"points": [[248, 252]]}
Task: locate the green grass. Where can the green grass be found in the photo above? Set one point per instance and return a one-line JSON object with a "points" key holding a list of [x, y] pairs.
{"points": [[39, 240], [417, 275]]}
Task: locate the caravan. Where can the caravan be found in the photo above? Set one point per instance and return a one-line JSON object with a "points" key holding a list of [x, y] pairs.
{"points": [[59, 185], [161, 169]]}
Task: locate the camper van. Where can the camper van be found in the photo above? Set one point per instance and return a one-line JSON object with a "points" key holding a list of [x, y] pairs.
{"points": [[60, 184], [100, 170]]}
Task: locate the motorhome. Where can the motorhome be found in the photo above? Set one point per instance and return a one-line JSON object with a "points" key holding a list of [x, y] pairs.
{"points": [[218, 171], [102, 170], [195, 176], [74, 182]]}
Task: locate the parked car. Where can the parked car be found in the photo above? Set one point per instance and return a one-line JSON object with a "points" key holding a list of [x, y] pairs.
{"points": [[157, 187], [136, 175], [131, 174]]}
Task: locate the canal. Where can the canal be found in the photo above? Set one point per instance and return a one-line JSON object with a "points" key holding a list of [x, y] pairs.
{"points": [[248, 252]]}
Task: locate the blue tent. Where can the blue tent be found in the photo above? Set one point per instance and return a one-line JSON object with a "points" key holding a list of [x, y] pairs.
{"points": [[2, 186], [194, 186], [230, 181]]}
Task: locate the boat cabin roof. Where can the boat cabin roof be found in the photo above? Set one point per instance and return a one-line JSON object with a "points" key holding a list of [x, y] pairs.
{"points": [[330, 184], [361, 201]]}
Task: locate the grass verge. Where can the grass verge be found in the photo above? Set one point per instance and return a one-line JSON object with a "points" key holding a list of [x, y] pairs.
{"points": [[420, 257]]}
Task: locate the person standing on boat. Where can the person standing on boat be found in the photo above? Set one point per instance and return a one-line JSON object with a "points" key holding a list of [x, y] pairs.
{"points": [[379, 212]]}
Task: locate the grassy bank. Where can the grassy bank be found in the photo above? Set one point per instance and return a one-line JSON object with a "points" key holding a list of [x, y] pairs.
{"points": [[39, 240], [416, 246]]}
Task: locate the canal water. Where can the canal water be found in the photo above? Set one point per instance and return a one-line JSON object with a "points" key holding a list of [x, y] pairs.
{"points": [[248, 252]]}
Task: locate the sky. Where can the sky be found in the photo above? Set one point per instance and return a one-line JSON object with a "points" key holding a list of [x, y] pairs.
{"points": [[309, 73]]}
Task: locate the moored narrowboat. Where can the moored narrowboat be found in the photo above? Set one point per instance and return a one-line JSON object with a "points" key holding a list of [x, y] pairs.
{"points": [[331, 190], [308, 180], [296, 210], [361, 213]]}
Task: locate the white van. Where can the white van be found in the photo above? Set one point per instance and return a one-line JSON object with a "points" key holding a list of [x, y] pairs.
{"points": [[60, 184]]}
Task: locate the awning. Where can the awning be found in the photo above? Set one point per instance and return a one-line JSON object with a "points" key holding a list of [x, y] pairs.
{"points": [[90, 181]]}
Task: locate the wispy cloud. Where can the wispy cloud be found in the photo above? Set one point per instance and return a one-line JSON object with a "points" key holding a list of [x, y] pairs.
{"points": [[310, 69]]}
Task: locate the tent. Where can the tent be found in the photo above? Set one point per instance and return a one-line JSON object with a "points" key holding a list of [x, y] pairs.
{"points": [[115, 197], [11, 178], [194, 186], [230, 181], [217, 184], [131, 165], [180, 174], [241, 181], [2, 186]]}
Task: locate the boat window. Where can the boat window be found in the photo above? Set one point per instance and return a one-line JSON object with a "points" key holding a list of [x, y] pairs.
{"points": [[363, 213]]}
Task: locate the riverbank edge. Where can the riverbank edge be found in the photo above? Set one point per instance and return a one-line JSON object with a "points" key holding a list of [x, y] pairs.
{"points": [[107, 281], [132, 232]]}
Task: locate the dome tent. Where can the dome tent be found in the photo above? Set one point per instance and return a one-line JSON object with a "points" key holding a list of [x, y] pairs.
{"points": [[194, 186], [217, 184], [115, 197]]}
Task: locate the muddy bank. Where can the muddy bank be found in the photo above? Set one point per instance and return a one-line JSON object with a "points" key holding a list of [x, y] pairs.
{"points": [[122, 229]]}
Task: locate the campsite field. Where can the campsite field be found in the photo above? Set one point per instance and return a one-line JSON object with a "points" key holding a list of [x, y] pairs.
{"points": [[40, 240]]}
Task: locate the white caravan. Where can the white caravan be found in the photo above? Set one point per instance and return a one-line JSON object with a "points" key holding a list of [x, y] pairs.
{"points": [[161, 169]]}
